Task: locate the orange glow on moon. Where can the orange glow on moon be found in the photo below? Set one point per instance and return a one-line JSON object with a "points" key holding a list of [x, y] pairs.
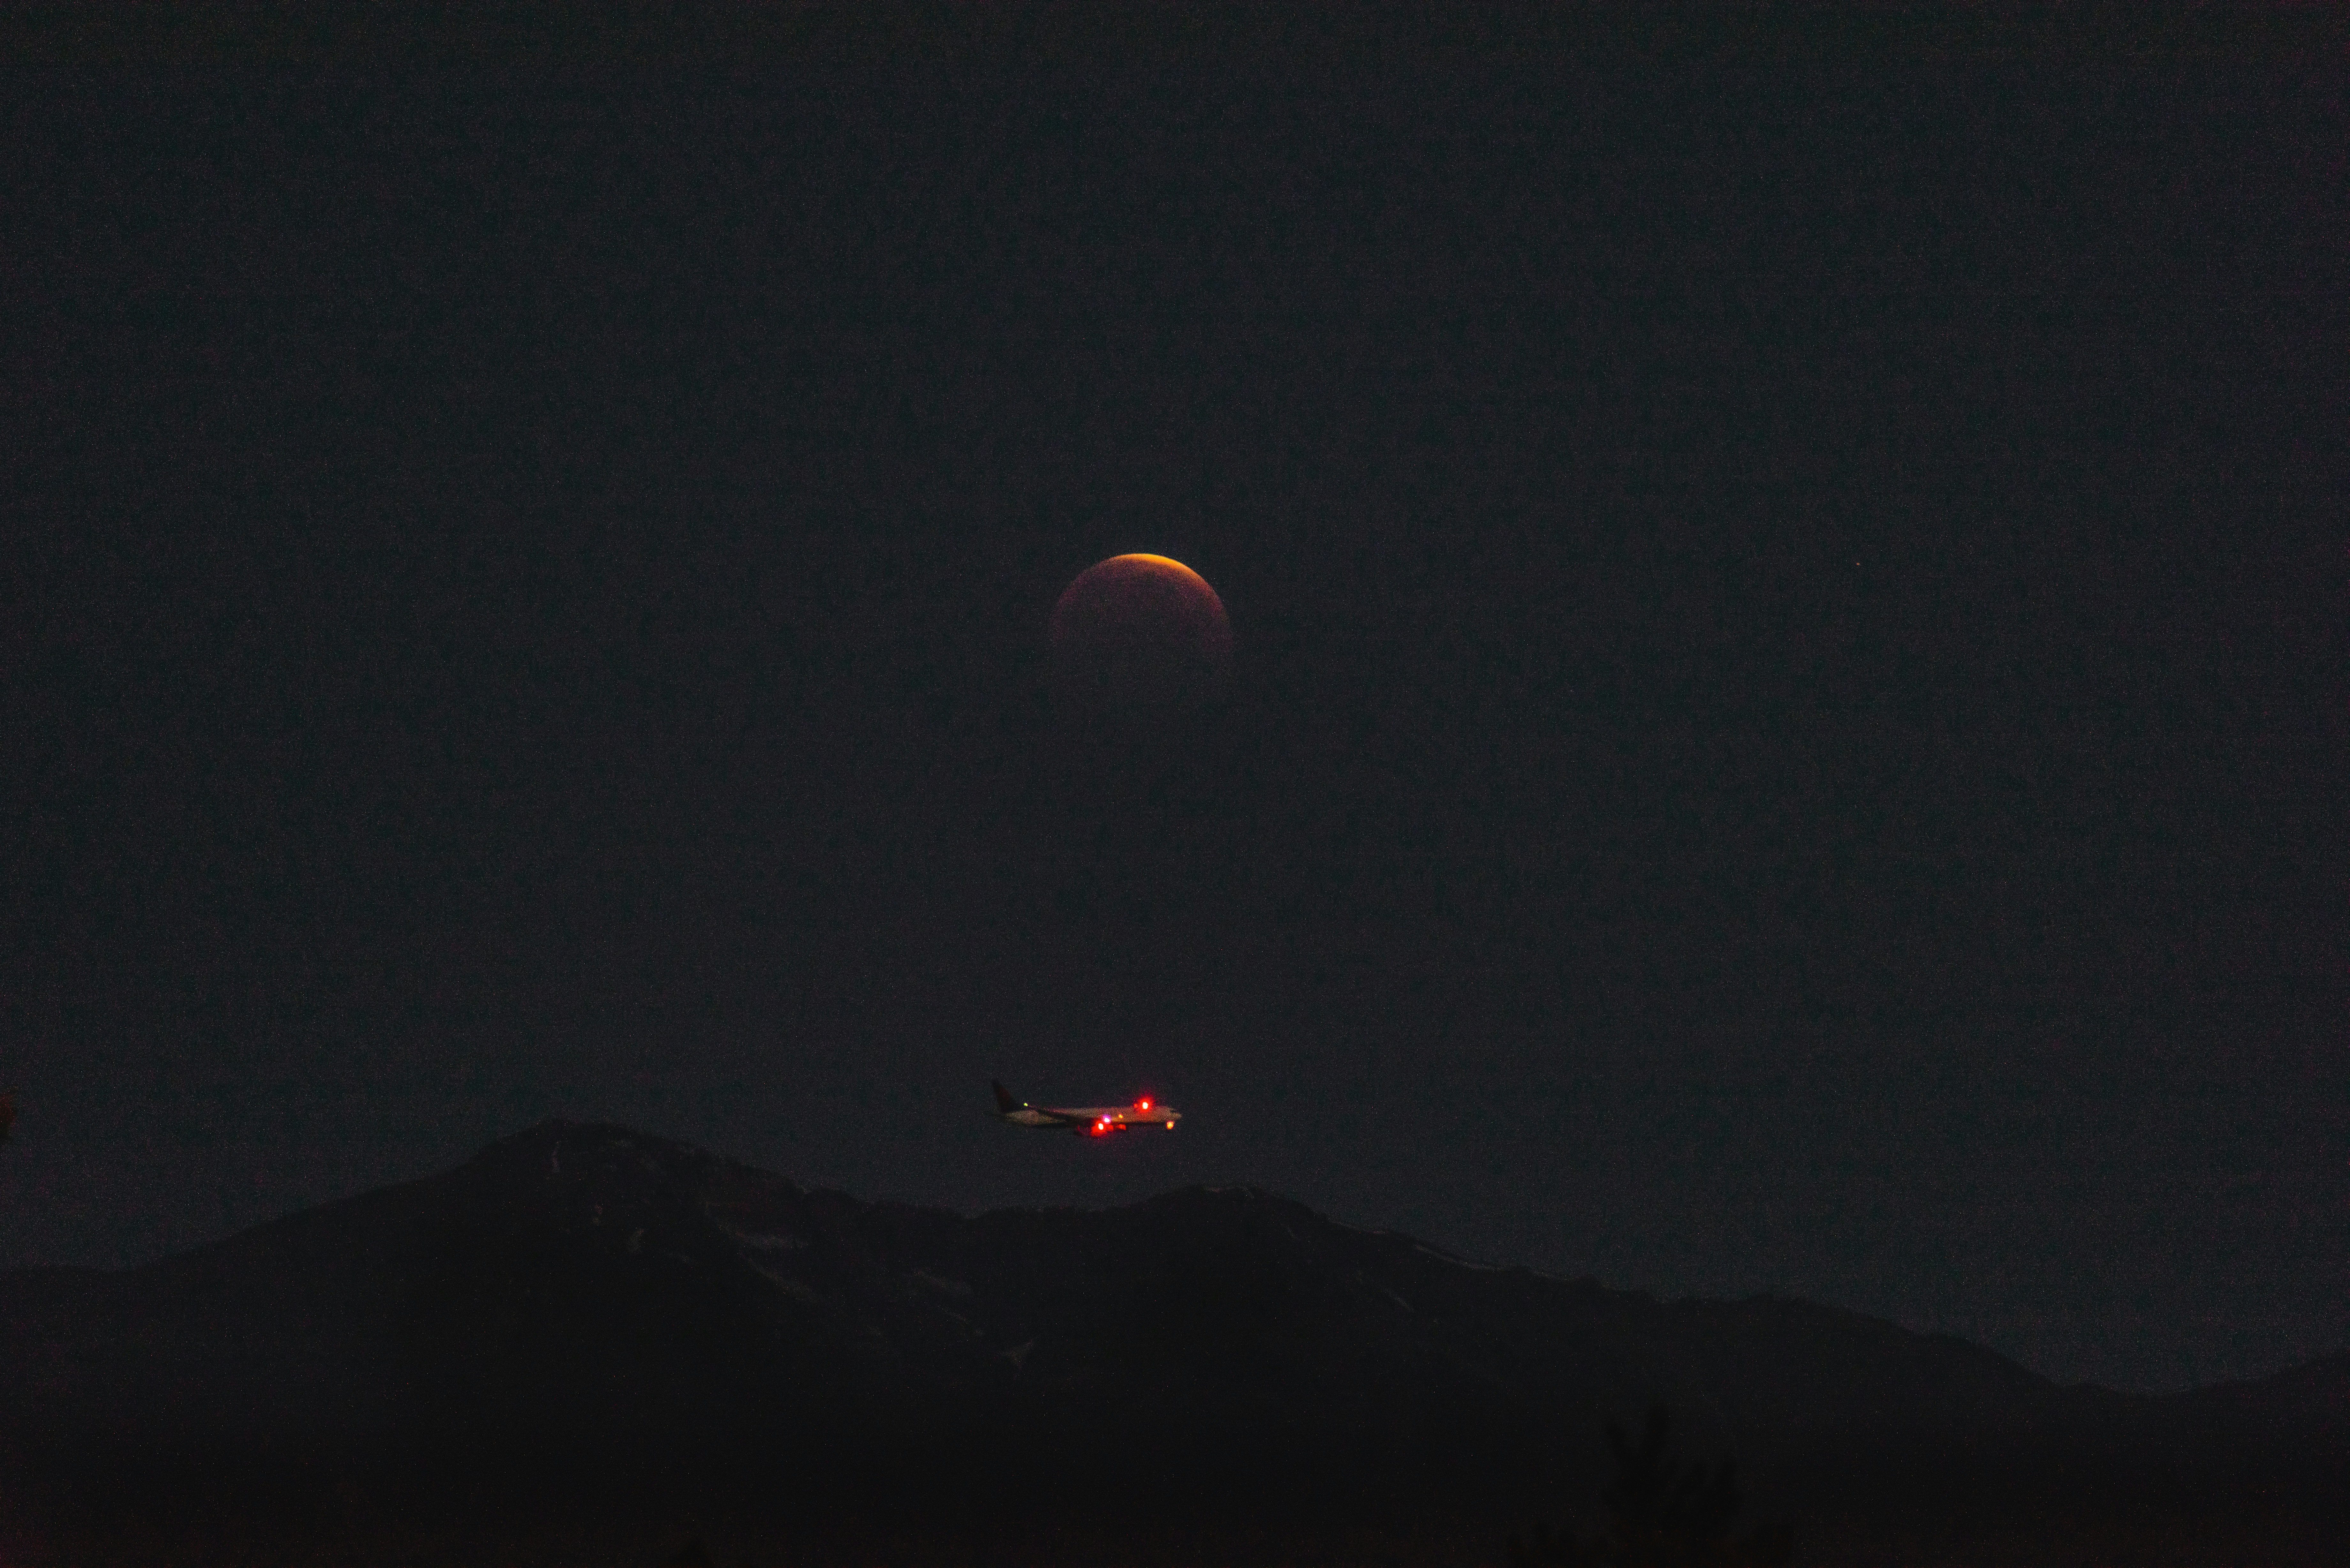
{"points": [[1140, 628]]}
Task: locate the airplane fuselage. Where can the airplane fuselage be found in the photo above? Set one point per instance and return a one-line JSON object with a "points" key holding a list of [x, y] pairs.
{"points": [[1086, 1121]]}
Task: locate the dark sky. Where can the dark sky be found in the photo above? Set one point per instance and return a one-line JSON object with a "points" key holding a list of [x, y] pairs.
{"points": [[1789, 727]]}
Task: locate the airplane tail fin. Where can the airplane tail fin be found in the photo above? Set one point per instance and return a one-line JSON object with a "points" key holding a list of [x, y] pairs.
{"points": [[1004, 1100]]}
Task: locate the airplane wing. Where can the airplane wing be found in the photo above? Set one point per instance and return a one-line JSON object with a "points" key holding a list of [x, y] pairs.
{"points": [[1096, 1120]]}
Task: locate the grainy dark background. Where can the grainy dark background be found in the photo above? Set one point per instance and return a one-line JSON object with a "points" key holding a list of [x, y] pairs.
{"points": [[1789, 729]]}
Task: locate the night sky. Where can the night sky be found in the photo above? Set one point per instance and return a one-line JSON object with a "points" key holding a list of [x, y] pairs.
{"points": [[1788, 727]]}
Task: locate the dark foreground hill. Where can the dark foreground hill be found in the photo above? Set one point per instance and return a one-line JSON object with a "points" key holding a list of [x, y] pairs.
{"points": [[589, 1332]]}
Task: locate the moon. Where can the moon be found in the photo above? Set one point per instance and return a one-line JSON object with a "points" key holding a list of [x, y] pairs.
{"points": [[1141, 629]]}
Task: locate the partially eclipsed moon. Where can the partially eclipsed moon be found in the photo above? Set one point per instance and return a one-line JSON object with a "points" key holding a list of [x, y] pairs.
{"points": [[1140, 628]]}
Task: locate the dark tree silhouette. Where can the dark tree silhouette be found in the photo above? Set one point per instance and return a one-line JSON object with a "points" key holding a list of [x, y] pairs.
{"points": [[1662, 1512]]}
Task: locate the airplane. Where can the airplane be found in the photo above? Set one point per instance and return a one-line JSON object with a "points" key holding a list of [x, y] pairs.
{"points": [[1086, 1121]]}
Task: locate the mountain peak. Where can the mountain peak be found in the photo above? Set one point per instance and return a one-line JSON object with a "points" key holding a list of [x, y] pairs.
{"points": [[553, 1135], [580, 1156]]}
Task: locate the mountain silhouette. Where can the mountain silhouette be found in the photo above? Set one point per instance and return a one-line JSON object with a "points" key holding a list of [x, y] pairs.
{"points": [[588, 1321]]}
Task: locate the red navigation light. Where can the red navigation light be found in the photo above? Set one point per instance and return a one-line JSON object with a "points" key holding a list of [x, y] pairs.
{"points": [[1144, 1104]]}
